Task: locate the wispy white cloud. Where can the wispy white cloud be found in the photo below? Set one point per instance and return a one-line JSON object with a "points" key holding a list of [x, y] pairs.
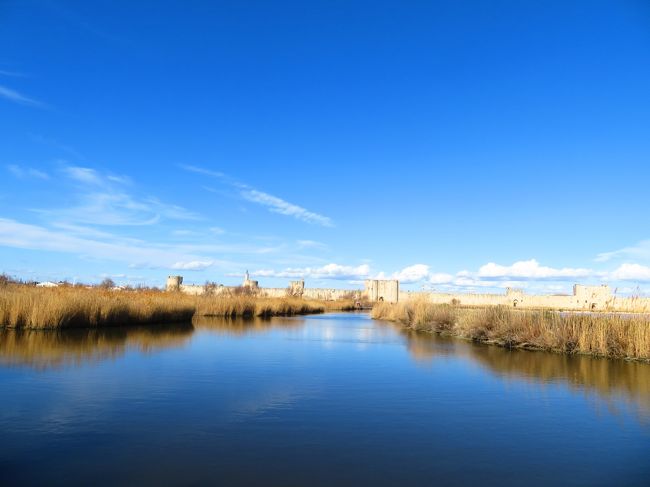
{"points": [[640, 251], [273, 203], [90, 176], [27, 172], [329, 271], [84, 175], [311, 244], [104, 200], [530, 269], [278, 205], [193, 265], [203, 171], [35, 237], [102, 246], [13, 74], [16, 97]]}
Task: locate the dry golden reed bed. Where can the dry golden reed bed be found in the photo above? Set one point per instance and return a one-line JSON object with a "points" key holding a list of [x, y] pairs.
{"points": [[606, 335], [23, 306]]}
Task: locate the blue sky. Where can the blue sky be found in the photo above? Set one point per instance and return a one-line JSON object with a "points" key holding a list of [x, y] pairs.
{"points": [[455, 145]]}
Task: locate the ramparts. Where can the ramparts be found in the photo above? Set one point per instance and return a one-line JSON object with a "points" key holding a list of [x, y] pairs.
{"points": [[584, 298]]}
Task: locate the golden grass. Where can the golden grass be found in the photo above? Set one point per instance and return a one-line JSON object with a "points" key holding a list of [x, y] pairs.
{"points": [[29, 307], [606, 335], [248, 306]]}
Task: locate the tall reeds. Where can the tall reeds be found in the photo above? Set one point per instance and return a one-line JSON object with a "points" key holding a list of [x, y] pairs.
{"points": [[28, 307], [606, 335]]}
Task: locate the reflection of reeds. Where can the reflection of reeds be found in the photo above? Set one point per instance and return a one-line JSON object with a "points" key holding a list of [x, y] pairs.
{"points": [[52, 348], [612, 380], [243, 326], [601, 335], [249, 306], [28, 307]]}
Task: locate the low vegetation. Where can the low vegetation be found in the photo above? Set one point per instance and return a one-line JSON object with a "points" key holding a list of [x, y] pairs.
{"points": [[606, 335], [249, 306], [29, 307]]}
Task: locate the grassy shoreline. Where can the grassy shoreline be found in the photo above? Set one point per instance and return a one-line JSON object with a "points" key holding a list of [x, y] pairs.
{"points": [[28, 307], [613, 336]]}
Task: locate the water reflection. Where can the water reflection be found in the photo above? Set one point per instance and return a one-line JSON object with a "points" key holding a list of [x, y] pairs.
{"points": [[246, 326], [333, 399], [56, 348], [612, 380], [615, 381]]}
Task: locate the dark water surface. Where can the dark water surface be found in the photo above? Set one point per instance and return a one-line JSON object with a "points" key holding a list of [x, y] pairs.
{"points": [[324, 400]]}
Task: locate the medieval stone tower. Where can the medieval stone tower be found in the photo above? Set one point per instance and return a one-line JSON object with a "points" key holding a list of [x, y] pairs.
{"points": [[174, 283], [382, 290]]}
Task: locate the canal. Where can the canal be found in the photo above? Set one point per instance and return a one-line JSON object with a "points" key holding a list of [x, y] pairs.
{"points": [[324, 400]]}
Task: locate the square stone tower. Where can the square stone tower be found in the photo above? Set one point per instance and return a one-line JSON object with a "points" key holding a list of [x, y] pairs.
{"points": [[382, 290]]}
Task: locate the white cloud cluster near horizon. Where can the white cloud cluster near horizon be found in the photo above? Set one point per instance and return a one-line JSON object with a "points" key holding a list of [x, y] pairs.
{"points": [[329, 271], [194, 265], [491, 275], [530, 269], [106, 207], [519, 273]]}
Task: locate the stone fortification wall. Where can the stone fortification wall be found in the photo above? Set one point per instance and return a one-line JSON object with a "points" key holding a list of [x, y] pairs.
{"points": [[331, 294], [584, 298], [192, 289], [311, 293], [296, 289]]}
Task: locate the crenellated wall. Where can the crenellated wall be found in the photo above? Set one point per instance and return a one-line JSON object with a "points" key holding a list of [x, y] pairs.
{"points": [[584, 298], [296, 289], [323, 294]]}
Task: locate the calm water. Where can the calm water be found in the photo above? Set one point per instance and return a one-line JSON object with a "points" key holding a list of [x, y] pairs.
{"points": [[326, 400]]}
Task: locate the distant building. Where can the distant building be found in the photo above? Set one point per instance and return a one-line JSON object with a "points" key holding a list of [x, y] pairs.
{"points": [[382, 290], [47, 284], [174, 283], [297, 288], [248, 283]]}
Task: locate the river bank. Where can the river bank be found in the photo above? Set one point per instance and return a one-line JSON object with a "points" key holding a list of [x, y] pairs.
{"points": [[613, 336], [29, 307]]}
